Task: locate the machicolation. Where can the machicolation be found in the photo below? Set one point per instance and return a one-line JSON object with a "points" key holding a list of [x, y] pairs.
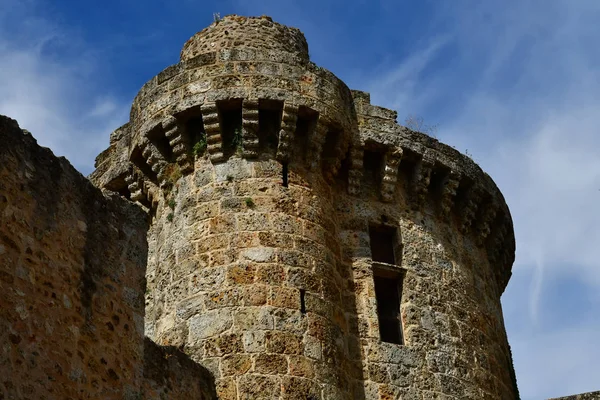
{"points": [[295, 240]]}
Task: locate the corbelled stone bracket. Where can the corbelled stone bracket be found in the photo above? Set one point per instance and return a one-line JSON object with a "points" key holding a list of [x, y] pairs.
{"points": [[210, 116], [469, 209], [356, 168], [250, 128], [179, 142], [421, 179], [155, 160], [334, 162], [390, 173], [485, 220], [449, 194], [316, 142], [135, 185], [286, 134]]}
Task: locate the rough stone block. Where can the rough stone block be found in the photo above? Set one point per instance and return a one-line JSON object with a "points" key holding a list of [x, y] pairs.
{"points": [[209, 324]]}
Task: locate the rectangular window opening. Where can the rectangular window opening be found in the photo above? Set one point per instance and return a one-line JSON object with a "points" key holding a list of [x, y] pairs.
{"points": [[230, 120], [331, 141], [388, 292], [195, 129], [269, 124], [284, 174], [383, 243], [305, 126], [372, 171]]}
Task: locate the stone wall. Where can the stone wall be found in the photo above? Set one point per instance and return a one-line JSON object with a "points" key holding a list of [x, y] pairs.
{"points": [[72, 278], [582, 396]]}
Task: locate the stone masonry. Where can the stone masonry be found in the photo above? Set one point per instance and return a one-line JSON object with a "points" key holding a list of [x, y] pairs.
{"points": [[72, 266], [302, 244]]}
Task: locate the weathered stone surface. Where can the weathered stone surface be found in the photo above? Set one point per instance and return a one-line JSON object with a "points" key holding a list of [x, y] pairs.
{"points": [[72, 265], [582, 396]]}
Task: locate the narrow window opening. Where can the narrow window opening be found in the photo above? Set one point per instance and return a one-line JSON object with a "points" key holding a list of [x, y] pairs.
{"points": [[230, 120], [305, 126], [344, 172], [269, 124], [437, 182], [372, 171], [331, 141], [383, 241], [388, 292], [406, 169], [197, 135], [302, 301], [284, 173]]}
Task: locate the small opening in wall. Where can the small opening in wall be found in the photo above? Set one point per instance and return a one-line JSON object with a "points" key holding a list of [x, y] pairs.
{"points": [[284, 174], [230, 119], [388, 292], [269, 124], [439, 177], [119, 185], [332, 140], [372, 171], [343, 174], [302, 301], [383, 240], [305, 126], [407, 168], [197, 135]]}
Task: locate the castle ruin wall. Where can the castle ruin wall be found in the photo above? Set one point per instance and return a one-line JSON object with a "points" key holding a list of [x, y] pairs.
{"points": [[271, 187], [72, 278]]}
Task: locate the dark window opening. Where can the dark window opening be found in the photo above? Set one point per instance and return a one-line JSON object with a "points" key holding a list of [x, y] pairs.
{"points": [[120, 186], [437, 182], [343, 173], [383, 244], [230, 121], [305, 126], [284, 173], [197, 135], [388, 292], [269, 125], [372, 171], [302, 301], [159, 140], [331, 141], [462, 193], [406, 170]]}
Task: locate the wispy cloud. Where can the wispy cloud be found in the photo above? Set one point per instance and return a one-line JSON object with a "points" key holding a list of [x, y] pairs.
{"points": [[48, 84], [406, 78]]}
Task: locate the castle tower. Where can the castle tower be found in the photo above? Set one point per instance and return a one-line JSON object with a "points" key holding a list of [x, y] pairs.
{"points": [[302, 243]]}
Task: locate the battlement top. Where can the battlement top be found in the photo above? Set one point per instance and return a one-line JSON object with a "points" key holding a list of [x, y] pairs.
{"points": [[234, 31]]}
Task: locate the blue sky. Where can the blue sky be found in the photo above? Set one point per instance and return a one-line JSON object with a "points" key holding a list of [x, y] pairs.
{"points": [[514, 83]]}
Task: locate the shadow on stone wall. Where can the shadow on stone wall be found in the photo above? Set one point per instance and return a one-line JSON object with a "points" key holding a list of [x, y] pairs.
{"points": [[72, 278]]}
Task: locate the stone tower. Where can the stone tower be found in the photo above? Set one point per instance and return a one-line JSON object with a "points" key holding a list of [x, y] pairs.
{"points": [[302, 244]]}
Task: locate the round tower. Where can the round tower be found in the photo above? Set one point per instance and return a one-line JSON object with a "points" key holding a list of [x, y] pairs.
{"points": [[303, 244]]}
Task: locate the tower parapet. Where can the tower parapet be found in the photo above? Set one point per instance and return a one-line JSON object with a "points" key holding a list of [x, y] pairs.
{"points": [[303, 244]]}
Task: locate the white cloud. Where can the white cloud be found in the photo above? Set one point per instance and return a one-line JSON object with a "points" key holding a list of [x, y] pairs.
{"points": [[48, 85]]}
